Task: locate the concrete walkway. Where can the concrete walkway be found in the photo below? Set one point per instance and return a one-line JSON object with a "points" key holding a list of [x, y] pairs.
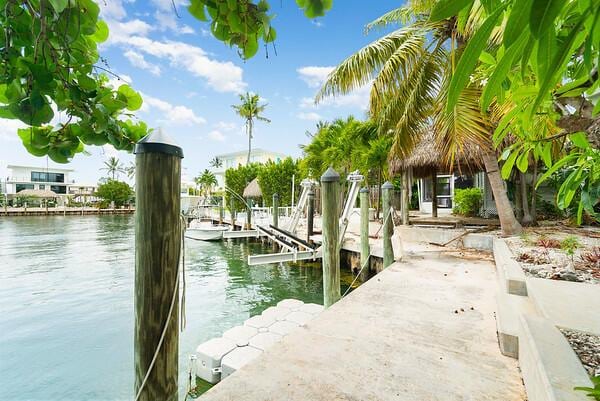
{"points": [[397, 337]]}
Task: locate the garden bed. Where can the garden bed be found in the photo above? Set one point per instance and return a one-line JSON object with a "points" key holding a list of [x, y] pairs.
{"points": [[587, 348], [559, 253]]}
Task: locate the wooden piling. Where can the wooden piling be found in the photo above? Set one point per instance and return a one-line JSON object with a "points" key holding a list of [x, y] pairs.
{"points": [[248, 213], [330, 195], [365, 249], [434, 211], [221, 210], [232, 212], [388, 251], [275, 210], [405, 198], [158, 244], [310, 215]]}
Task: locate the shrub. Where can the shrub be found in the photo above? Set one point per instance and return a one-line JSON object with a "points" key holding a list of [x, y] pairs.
{"points": [[114, 191], [570, 245], [467, 201]]}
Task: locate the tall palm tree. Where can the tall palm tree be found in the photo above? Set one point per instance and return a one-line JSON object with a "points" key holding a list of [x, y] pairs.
{"points": [[130, 170], [409, 70], [113, 167], [206, 181], [216, 162], [250, 109]]}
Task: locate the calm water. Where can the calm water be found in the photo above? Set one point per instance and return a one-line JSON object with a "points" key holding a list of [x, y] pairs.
{"points": [[66, 303]]}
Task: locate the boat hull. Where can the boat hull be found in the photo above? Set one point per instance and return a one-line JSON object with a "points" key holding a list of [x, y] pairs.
{"points": [[205, 234]]}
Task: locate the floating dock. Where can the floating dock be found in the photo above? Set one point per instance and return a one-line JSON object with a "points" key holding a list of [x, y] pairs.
{"points": [[218, 358]]}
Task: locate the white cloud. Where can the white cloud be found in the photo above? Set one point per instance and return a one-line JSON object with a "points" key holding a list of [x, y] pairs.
{"points": [[171, 114], [216, 135], [121, 31], [186, 30], [138, 60], [113, 9], [310, 116], [221, 76], [115, 82], [225, 126], [314, 76], [8, 130], [167, 14]]}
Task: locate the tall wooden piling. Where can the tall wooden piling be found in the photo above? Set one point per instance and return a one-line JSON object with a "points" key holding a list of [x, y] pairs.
{"points": [[221, 210], [248, 213], [310, 215], [330, 195], [275, 210], [157, 244], [405, 201], [232, 212], [365, 249], [388, 251]]}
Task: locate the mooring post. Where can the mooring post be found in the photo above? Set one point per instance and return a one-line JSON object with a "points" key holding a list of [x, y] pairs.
{"points": [[276, 210], [330, 195], [221, 210], [310, 214], [388, 223], [405, 202], [365, 249], [157, 244], [248, 213], [232, 212]]}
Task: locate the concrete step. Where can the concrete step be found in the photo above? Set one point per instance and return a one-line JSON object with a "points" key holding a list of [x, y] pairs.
{"points": [[509, 309], [510, 274], [549, 365]]}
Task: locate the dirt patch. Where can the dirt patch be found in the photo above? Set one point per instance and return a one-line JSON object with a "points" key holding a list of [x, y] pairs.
{"points": [[587, 348]]}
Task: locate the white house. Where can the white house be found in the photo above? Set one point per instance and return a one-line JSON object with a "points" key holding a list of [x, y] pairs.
{"points": [[235, 159]]}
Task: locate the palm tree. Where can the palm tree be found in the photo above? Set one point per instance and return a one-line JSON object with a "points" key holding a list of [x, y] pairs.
{"points": [[249, 109], [409, 70], [130, 170], [113, 167], [216, 162], [206, 181]]}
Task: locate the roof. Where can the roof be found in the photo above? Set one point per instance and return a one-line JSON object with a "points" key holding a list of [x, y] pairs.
{"points": [[42, 169], [253, 190], [427, 156], [38, 193], [253, 152]]}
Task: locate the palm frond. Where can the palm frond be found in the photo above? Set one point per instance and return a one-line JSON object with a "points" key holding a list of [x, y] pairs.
{"points": [[398, 16]]}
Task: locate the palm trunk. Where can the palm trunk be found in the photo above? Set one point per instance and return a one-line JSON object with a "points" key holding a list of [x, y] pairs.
{"points": [[508, 222], [527, 219], [249, 132], [377, 207]]}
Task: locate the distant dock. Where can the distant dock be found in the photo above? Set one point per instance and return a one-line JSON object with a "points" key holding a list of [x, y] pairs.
{"points": [[62, 211]]}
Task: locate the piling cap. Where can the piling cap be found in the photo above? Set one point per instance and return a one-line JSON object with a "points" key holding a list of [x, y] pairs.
{"points": [[387, 185], [330, 176], [158, 142], [364, 190]]}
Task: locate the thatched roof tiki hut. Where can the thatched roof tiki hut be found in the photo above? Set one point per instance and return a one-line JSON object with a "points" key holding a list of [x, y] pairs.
{"points": [[427, 160], [44, 194]]}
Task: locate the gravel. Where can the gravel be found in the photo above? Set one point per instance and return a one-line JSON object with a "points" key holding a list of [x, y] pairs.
{"points": [[587, 348]]}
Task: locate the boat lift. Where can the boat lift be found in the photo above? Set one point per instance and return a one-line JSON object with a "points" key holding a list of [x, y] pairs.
{"points": [[293, 248]]}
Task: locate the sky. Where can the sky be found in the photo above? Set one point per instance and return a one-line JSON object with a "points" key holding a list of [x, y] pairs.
{"points": [[189, 80]]}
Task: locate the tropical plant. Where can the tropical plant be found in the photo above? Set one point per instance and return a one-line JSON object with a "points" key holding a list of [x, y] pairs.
{"points": [[277, 178], [115, 191], [130, 170], [250, 109], [409, 71], [206, 181], [592, 392], [540, 84], [569, 245], [215, 162], [236, 180], [113, 167], [467, 201]]}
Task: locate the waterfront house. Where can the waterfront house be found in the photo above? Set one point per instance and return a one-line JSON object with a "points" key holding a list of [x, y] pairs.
{"points": [[233, 160]]}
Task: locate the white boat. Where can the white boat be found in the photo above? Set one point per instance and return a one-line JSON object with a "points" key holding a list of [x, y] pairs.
{"points": [[205, 231]]}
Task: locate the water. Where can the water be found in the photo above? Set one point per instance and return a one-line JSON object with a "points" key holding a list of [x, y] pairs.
{"points": [[66, 303]]}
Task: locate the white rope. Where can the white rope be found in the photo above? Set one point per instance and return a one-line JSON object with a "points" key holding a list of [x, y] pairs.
{"points": [[166, 326], [357, 275]]}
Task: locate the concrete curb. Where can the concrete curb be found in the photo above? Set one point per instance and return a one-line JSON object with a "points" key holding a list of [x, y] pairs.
{"points": [[510, 274], [549, 366], [435, 235]]}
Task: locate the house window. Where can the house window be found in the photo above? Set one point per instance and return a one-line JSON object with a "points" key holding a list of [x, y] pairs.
{"points": [[41, 186], [59, 189], [463, 182], [444, 191], [20, 187], [38, 176]]}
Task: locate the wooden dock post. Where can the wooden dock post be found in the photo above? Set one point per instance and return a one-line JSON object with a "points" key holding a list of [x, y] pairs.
{"points": [[232, 212], [365, 249], [248, 213], [388, 251], [330, 195], [158, 245], [221, 210], [405, 199], [310, 214], [275, 210]]}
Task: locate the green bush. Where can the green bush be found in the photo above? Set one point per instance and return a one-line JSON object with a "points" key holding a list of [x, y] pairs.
{"points": [[114, 191], [277, 178], [236, 180], [467, 201]]}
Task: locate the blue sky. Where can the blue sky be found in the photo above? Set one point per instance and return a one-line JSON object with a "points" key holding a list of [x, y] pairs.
{"points": [[189, 80]]}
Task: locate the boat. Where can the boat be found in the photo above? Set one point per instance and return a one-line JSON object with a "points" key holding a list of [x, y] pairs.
{"points": [[205, 231]]}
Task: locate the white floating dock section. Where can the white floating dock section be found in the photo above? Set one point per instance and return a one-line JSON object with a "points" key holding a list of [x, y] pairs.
{"points": [[222, 356]]}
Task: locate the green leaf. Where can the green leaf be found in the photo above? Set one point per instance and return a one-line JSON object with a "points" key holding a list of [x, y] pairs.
{"points": [[508, 164], [546, 47], [542, 15], [487, 58], [517, 21], [579, 139], [571, 85], [101, 33], [558, 165], [547, 154], [133, 99], [196, 8], [447, 8], [523, 162], [59, 5], [501, 71], [251, 47], [468, 59]]}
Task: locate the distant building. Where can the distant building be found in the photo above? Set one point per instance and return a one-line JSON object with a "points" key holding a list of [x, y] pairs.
{"points": [[41, 178], [235, 159]]}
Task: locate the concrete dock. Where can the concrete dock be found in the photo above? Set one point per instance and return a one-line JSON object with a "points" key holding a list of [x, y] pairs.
{"points": [[420, 330]]}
